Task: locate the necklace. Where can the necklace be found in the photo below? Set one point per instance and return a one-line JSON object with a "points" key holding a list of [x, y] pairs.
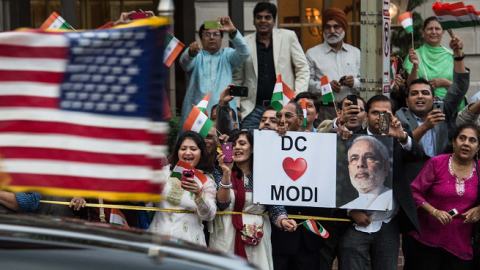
{"points": [[459, 183]]}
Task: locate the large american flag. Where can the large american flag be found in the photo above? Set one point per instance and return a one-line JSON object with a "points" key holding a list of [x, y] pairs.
{"points": [[80, 112]]}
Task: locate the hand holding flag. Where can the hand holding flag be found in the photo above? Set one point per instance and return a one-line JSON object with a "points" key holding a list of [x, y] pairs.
{"points": [[315, 227]]}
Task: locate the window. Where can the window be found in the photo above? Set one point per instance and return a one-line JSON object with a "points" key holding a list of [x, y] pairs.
{"points": [[305, 18]]}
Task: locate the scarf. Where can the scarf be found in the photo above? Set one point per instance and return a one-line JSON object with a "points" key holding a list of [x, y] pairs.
{"points": [[237, 220]]}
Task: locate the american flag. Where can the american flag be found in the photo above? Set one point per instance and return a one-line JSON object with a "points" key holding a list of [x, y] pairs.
{"points": [[80, 112]]}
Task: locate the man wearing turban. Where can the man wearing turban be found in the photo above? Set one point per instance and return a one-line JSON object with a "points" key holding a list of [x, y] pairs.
{"points": [[335, 59]]}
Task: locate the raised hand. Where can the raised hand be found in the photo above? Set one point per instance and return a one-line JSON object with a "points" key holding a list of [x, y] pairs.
{"points": [[225, 97], [227, 25], [194, 48], [413, 57]]}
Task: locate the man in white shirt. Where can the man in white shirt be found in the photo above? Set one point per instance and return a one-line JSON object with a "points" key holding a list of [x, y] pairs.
{"points": [[335, 59], [368, 167]]}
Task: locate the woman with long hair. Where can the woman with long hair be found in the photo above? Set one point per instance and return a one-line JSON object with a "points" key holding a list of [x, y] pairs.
{"points": [[188, 194], [447, 183], [247, 236]]}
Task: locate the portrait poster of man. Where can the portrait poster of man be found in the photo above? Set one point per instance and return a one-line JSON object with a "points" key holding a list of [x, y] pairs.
{"points": [[364, 173]]}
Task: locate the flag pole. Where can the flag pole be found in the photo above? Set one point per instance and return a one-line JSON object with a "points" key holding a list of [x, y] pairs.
{"points": [[72, 28], [452, 36], [413, 46]]}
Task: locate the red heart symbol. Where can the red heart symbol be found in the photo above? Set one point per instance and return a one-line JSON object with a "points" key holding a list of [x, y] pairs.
{"points": [[294, 168]]}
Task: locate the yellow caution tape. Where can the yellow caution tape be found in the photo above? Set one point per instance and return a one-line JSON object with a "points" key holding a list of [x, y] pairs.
{"points": [[144, 208]]}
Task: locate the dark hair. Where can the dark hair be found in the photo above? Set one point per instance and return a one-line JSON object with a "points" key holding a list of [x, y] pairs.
{"points": [[233, 138], [421, 81], [269, 108], [459, 130], [269, 7], [234, 115], [214, 107], [298, 107], [203, 164], [378, 98], [202, 28], [428, 20], [311, 96], [340, 104]]}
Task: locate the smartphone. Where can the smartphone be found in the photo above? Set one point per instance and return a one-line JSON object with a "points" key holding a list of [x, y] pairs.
{"points": [[139, 15], [342, 80], [453, 212], [212, 25], [383, 123], [438, 105], [187, 173], [227, 151], [239, 91], [266, 103], [353, 99]]}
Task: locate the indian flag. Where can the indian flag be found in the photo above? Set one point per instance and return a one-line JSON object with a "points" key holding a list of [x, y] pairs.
{"points": [[407, 22], [202, 105], [117, 218], [393, 73], [315, 227], [197, 121], [173, 49], [304, 109], [282, 94], [177, 173], [456, 15], [55, 21], [327, 94]]}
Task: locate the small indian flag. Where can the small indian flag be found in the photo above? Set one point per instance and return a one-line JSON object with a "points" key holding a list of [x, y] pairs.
{"points": [[282, 94], [173, 49], [327, 94], [315, 227], [407, 22], [304, 109], [117, 218], [202, 105], [197, 121], [393, 73], [177, 173], [455, 15], [55, 21]]}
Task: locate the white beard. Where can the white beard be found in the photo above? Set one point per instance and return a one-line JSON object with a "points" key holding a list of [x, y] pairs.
{"points": [[334, 39]]}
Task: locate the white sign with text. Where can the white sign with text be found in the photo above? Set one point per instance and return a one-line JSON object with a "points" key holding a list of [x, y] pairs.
{"points": [[297, 169]]}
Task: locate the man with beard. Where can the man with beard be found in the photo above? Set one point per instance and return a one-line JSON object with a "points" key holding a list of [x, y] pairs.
{"points": [[375, 234], [335, 59], [273, 52], [368, 166]]}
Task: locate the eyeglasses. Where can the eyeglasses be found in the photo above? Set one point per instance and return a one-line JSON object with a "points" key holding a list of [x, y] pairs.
{"points": [[208, 34], [288, 115], [369, 157], [336, 27]]}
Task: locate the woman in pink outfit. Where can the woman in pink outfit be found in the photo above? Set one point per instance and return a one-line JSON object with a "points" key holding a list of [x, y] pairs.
{"points": [[447, 182]]}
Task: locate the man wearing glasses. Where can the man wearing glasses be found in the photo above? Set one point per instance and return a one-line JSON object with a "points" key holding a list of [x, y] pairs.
{"points": [[335, 59], [209, 67], [368, 167], [350, 117]]}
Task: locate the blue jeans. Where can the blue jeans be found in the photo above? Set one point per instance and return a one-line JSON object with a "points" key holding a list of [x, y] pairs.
{"points": [[382, 246], [252, 121]]}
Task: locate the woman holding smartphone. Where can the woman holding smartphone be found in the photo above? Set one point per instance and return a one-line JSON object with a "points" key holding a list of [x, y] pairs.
{"points": [[187, 194], [247, 236], [447, 182]]}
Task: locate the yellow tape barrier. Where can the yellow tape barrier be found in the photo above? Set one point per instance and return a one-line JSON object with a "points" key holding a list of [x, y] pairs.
{"points": [[132, 207]]}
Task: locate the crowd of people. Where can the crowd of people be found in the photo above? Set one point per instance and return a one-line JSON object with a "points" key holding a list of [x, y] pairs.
{"points": [[435, 151]]}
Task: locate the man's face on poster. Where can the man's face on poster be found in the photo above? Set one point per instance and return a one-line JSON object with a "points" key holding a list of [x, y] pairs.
{"points": [[366, 167]]}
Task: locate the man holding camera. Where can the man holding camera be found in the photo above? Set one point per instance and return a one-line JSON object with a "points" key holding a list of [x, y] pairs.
{"points": [[335, 59], [433, 121]]}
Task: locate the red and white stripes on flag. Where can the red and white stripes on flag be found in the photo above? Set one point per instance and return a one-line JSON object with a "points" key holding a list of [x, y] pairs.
{"points": [[68, 153]]}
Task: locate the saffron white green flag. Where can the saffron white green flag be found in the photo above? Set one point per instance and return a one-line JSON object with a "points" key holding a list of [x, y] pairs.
{"points": [[197, 121], [55, 21], [202, 105], [393, 73], [304, 109], [282, 94], [456, 15], [199, 177], [117, 218], [407, 21], [327, 94], [173, 49], [315, 227]]}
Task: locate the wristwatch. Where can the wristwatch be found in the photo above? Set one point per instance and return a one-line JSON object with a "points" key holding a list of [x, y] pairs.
{"points": [[459, 58], [404, 140]]}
